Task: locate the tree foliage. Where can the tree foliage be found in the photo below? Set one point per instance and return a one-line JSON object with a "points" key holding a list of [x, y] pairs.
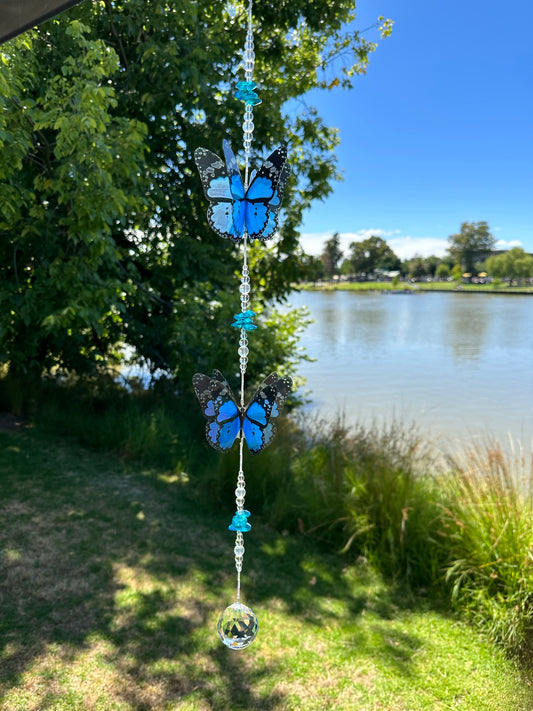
{"points": [[332, 255], [103, 236], [442, 271], [471, 245], [514, 264], [371, 254], [419, 266]]}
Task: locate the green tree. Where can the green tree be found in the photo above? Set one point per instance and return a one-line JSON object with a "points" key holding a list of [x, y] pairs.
{"points": [[70, 172], [417, 267], [432, 262], [457, 272], [332, 255], [312, 268], [442, 271], [371, 254], [346, 267], [514, 264], [471, 245], [103, 232]]}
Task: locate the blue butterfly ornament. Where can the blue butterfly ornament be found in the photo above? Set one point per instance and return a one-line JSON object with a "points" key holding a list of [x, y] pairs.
{"points": [[226, 421], [234, 210]]}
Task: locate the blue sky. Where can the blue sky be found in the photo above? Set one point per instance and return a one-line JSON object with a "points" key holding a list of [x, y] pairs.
{"points": [[439, 131]]}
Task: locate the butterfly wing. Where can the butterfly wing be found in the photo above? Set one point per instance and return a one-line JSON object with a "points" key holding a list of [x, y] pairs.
{"points": [[219, 408], [263, 198], [275, 204], [226, 210], [266, 405], [213, 175]]}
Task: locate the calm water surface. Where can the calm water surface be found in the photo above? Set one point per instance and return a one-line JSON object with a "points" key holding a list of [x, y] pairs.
{"points": [[459, 365]]}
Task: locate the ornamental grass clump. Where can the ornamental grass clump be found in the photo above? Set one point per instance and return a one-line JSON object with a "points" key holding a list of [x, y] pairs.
{"points": [[367, 489], [488, 527]]}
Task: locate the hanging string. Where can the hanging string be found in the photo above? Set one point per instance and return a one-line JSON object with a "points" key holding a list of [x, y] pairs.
{"points": [[245, 92], [242, 218]]}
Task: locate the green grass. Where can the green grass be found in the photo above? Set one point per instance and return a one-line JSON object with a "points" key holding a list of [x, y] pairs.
{"points": [[112, 580], [418, 286]]}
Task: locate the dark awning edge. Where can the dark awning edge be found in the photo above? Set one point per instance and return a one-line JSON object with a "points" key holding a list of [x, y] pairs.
{"points": [[28, 18]]}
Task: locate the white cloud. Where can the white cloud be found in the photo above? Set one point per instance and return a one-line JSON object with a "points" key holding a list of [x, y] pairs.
{"points": [[404, 246], [407, 247], [507, 244]]}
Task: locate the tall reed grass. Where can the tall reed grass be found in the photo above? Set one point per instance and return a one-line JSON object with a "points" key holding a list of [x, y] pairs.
{"points": [[368, 490], [488, 525]]}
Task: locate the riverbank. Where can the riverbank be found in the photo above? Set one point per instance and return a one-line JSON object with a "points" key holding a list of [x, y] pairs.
{"points": [[113, 579], [407, 287]]}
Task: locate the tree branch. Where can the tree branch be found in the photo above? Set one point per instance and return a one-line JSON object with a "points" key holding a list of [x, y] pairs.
{"points": [[120, 46]]}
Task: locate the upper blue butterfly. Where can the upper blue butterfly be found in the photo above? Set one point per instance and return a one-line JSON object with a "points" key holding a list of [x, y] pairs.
{"points": [[226, 420], [234, 210]]}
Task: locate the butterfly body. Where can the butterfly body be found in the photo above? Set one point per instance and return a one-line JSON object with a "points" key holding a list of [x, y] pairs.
{"points": [[226, 421], [234, 209]]}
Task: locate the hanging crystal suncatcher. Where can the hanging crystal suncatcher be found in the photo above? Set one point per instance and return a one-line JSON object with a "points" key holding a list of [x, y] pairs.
{"points": [[242, 211]]}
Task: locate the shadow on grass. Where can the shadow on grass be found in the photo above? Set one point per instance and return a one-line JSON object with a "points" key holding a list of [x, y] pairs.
{"points": [[101, 559]]}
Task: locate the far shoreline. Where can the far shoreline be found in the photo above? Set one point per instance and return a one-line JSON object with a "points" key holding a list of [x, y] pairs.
{"points": [[417, 287]]}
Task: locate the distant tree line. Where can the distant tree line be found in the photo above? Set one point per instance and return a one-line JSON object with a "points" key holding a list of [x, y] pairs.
{"points": [[470, 253]]}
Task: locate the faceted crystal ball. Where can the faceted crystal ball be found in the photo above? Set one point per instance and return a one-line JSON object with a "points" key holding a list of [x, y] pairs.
{"points": [[237, 626]]}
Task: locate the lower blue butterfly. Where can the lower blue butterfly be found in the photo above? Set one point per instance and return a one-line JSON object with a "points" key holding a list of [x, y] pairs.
{"points": [[232, 209], [226, 420]]}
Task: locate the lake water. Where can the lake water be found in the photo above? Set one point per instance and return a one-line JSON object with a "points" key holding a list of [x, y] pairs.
{"points": [[459, 365]]}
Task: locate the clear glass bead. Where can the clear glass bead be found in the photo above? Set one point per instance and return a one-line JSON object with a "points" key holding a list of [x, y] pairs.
{"points": [[244, 288], [237, 626], [243, 351], [240, 491], [239, 501], [239, 551], [243, 361]]}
